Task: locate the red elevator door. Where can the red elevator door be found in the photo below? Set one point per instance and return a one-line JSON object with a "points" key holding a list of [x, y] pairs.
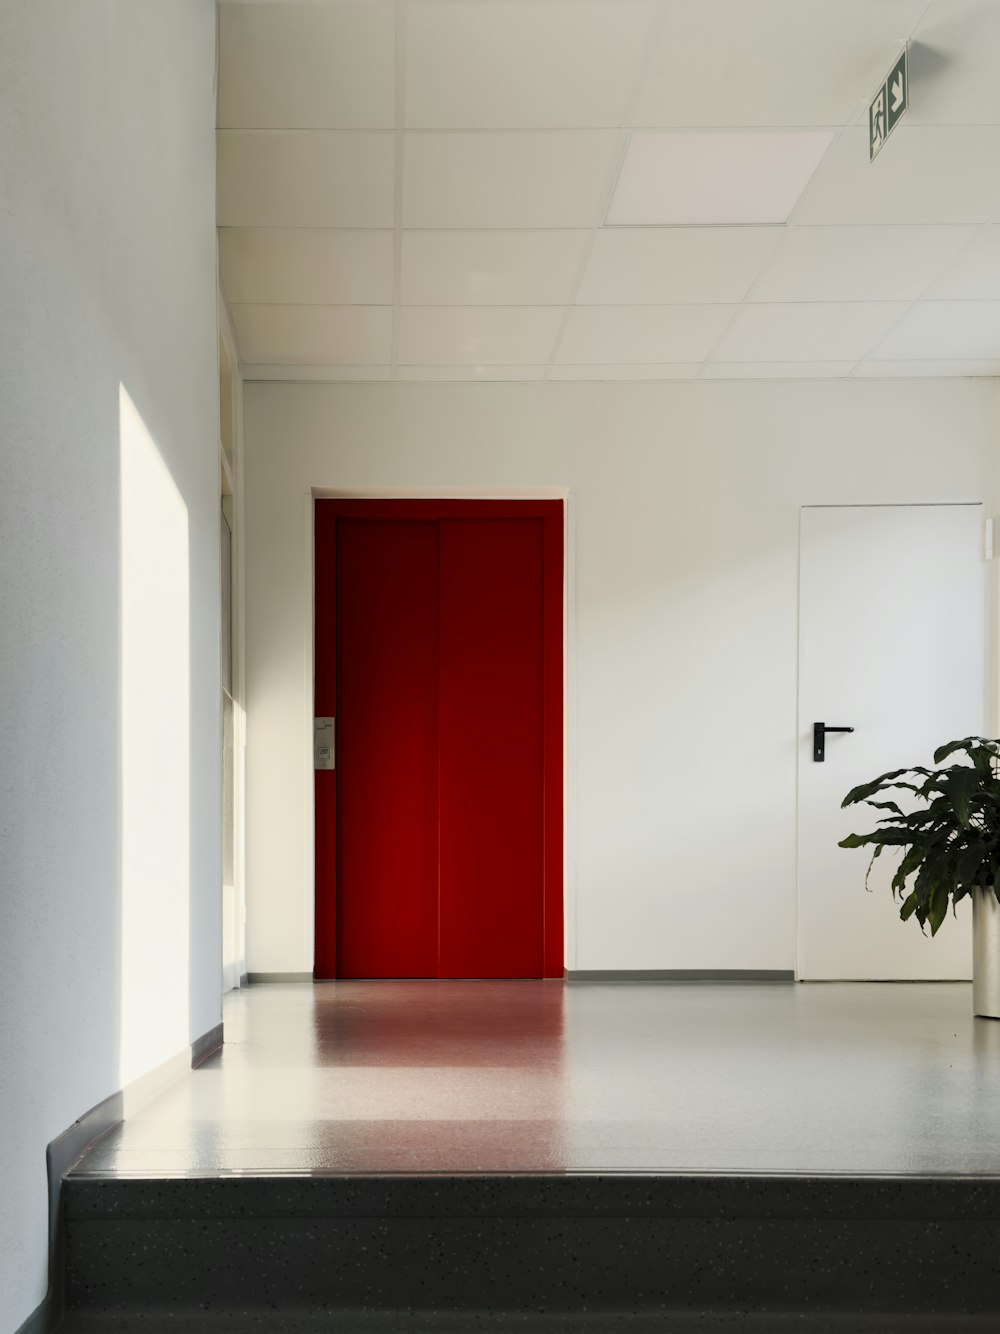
{"points": [[387, 749], [438, 868]]}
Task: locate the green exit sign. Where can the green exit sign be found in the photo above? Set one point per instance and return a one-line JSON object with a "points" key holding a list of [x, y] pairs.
{"points": [[887, 106]]}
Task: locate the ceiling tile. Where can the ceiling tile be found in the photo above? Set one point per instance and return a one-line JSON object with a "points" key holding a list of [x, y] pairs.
{"points": [[975, 272], [953, 64], [302, 66], [466, 373], [496, 65], [506, 180], [306, 266], [857, 263], [772, 62], [715, 176], [923, 175], [810, 331], [666, 371], [662, 266], [613, 335], [477, 335], [313, 178], [314, 335], [527, 268], [945, 330], [894, 370], [777, 370]]}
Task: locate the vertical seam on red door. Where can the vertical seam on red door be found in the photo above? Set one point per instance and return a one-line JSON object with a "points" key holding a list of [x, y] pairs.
{"points": [[543, 677], [336, 729], [437, 526]]}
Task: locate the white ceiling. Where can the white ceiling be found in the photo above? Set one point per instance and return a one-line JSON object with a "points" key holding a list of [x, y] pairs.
{"points": [[607, 189]]}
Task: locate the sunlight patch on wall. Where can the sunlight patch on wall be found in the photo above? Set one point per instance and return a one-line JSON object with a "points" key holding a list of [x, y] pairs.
{"points": [[155, 753]]}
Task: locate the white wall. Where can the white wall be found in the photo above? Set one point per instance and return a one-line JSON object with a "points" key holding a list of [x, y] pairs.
{"points": [[686, 501], [993, 585], [109, 732]]}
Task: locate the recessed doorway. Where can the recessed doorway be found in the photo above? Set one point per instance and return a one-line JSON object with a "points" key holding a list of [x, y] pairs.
{"points": [[439, 706]]}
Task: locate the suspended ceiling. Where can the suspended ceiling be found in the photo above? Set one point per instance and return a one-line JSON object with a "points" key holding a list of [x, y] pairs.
{"points": [[607, 189]]}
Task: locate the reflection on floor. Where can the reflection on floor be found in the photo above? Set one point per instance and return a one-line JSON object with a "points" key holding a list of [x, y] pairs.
{"points": [[499, 1077]]}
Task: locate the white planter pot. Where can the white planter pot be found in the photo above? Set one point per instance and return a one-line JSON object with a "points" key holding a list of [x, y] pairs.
{"points": [[985, 954]]}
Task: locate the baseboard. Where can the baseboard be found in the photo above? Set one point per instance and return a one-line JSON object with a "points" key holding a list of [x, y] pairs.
{"points": [[67, 1148], [205, 1046], [253, 978], [681, 975]]}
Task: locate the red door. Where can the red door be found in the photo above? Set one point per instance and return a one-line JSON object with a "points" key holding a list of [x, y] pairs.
{"points": [[439, 653]]}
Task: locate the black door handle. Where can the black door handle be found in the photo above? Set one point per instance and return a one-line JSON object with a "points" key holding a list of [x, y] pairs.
{"points": [[819, 739]]}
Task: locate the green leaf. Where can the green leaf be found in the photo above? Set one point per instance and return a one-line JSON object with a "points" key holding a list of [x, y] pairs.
{"points": [[969, 861], [983, 757], [866, 789], [938, 908], [890, 837], [879, 849], [910, 863], [856, 841], [951, 845], [949, 748], [961, 783], [969, 744], [929, 875], [915, 820]]}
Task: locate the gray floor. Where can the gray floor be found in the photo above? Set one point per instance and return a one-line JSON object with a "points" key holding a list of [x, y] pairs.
{"points": [[542, 1077]]}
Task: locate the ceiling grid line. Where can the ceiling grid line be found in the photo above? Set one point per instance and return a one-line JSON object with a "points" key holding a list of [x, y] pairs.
{"points": [[399, 164], [790, 221], [614, 171], [770, 260], [572, 220], [922, 298], [604, 305], [909, 38], [632, 227]]}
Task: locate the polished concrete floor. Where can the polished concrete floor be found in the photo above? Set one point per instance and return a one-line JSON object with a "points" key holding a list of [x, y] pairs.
{"points": [[544, 1077]]}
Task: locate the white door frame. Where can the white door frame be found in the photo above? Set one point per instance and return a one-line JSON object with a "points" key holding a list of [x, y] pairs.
{"points": [[568, 498], [232, 473], [992, 664]]}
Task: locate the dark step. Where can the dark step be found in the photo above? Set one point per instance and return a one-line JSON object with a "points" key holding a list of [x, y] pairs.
{"points": [[477, 1252]]}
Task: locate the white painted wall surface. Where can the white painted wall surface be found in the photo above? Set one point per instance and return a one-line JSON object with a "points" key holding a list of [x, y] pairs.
{"points": [[686, 508], [109, 687]]}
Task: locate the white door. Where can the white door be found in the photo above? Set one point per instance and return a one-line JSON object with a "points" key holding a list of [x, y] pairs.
{"points": [[892, 642]]}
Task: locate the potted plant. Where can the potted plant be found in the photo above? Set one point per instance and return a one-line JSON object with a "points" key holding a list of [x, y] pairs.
{"points": [[950, 848]]}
